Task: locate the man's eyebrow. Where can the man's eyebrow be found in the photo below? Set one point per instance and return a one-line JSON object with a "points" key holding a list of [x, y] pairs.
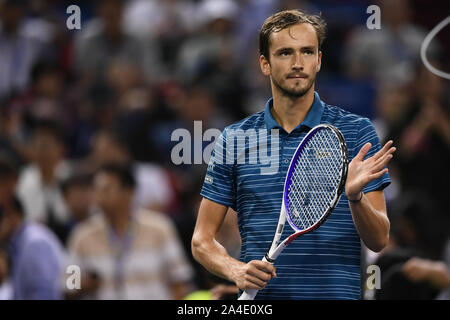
{"points": [[312, 47], [284, 49]]}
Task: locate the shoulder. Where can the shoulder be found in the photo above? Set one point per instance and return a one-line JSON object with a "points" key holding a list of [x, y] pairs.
{"points": [[40, 239], [154, 221], [346, 121], [154, 228], [87, 231], [253, 121]]}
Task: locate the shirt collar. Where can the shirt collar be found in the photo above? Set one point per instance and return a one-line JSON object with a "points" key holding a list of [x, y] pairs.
{"points": [[312, 118]]}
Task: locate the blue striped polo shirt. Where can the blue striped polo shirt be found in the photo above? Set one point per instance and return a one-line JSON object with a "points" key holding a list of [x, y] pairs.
{"points": [[247, 171]]}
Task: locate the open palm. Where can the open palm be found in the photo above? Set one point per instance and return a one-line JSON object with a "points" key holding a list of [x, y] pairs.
{"points": [[361, 172]]}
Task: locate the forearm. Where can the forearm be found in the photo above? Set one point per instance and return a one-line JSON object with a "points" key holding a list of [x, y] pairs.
{"points": [[214, 257], [372, 224]]}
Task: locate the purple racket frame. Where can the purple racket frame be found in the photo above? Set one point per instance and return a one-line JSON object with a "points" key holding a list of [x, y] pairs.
{"points": [[340, 188]]}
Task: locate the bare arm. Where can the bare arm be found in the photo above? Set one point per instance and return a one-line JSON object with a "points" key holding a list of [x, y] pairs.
{"points": [[369, 214], [435, 272], [213, 256], [371, 221]]}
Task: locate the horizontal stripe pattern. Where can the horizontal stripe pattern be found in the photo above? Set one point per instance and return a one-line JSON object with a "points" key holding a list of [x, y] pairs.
{"points": [[324, 264]]}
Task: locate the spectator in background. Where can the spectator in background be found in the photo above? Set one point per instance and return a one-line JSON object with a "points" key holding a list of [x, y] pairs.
{"points": [[405, 276], [77, 191], [45, 99], [153, 189], [135, 253], [35, 253], [213, 43], [104, 40], [415, 265], [391, 53], [163, 24], [18, 48], [39, 182], [209, 55], [423, 136]]}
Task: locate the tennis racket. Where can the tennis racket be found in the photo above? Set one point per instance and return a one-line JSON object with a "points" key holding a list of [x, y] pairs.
{"points": [[313, 186]]}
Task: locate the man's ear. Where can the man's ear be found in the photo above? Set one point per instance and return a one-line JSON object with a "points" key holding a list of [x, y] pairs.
{"points": [[319, 64], [265, 65]]}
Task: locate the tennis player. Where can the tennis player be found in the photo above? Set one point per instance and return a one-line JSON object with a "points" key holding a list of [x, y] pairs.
{"points": [[324, 264]]}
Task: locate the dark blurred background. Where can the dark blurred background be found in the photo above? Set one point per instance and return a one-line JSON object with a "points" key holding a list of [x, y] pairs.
{"points": [[115, 90]]}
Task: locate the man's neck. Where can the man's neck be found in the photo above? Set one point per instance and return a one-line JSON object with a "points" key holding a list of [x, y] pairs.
{"points": [[289, 112], [120, 220]]}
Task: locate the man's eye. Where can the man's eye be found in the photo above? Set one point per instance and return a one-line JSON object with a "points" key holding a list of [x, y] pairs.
{"points": [[284, 53], [308, 52]]}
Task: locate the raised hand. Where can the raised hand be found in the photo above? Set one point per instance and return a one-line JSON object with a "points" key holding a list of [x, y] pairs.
{"points": [[361, 172]]}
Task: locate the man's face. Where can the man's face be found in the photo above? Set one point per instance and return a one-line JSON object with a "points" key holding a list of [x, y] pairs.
{"points": [[47, 150], [79, 199], [109, 194], [105, 150], [294, 60]]}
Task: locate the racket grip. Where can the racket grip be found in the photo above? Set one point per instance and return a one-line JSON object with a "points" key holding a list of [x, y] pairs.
{"points": [[250, 294]]}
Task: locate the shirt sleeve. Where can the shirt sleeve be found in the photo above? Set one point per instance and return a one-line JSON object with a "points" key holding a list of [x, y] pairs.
{"points": [[367, 133], [219, 184], [43, 272]]}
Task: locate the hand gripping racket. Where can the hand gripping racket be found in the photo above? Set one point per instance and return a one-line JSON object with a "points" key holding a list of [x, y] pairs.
{"points": [[313, 186]]}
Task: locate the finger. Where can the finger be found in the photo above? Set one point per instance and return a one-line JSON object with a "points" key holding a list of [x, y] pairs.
{"points": [[363, 151], [383, 150], [382, 163], [260, 274], [377, 175], [388, 152], [254, 282], [263, 265]]}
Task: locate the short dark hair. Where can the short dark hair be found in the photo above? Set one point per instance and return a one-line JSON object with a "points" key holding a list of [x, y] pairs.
{"points": [[284, 19], [76, 180], [123, 172], [116, 137]]}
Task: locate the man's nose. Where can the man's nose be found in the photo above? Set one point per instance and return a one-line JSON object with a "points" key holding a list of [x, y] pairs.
{"points": [[297, 63]]}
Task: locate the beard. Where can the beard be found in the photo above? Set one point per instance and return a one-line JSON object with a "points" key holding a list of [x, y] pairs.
{"points": [[294, 92]]}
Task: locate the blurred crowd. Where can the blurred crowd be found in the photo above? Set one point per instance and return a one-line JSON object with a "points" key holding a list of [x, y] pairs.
{"points": [[86, 118]]}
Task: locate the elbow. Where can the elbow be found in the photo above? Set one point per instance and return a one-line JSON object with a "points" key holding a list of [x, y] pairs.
{"points": [[196, 246], [377, 247], [380, 243]]}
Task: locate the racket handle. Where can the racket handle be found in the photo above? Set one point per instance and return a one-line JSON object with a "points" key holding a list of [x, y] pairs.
{"points": [[250, 294]]}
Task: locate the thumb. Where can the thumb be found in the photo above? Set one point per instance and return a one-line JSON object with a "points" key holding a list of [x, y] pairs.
{"points": [[363, 152]]}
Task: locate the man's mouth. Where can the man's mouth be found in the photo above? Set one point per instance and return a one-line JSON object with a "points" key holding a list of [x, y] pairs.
{"points": [[297, 76]]}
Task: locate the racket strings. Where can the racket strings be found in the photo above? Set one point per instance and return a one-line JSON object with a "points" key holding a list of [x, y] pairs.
{"points": [[315, 179]]}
